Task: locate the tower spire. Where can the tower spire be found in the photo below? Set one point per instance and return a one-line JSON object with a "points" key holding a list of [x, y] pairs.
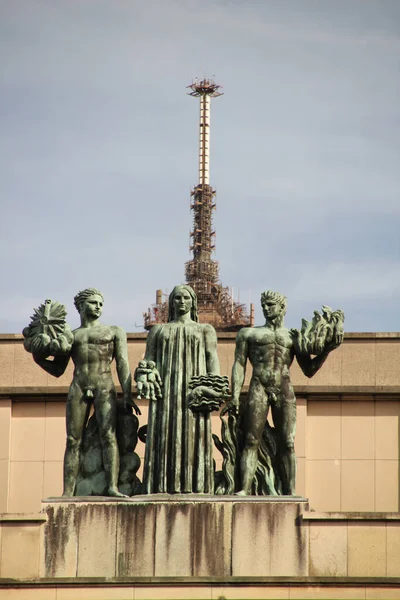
{"points": [[202, 271], [205, 89], [215, 302]]}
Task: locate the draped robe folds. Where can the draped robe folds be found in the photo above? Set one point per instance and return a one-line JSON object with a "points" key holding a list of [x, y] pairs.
{"points": [[179, 454]]}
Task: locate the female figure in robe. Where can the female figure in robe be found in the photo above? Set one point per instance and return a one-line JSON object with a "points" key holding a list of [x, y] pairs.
{"points": [[178, 457]]}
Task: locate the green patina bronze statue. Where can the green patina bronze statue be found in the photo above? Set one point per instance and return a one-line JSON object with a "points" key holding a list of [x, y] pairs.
{"points": [[179, 453], [262, 450], [180, 377], [92, 347]]}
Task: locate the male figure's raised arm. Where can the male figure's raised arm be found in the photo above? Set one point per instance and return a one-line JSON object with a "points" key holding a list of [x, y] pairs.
{"points": [[212, 360], [55, 367], [123, 370], [309, 365]]}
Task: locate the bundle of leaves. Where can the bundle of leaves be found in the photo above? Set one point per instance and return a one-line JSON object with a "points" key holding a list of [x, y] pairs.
{"points": [[322, 334], [48, 333]]}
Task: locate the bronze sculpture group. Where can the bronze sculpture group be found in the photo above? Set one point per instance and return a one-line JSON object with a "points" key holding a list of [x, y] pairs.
{"points": [[180, 377]]}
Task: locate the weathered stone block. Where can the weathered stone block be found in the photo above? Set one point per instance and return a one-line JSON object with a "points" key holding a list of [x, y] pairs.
{"points": [[212, 536], [97, 539], [60, 541], [156, 536], [174, 543], [20, 551], [135, 540], [393, 549], [268, 538], [328, 549], [366, 549]]}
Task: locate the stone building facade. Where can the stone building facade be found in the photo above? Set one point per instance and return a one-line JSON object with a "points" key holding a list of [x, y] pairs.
{"points": [[347, 447]]}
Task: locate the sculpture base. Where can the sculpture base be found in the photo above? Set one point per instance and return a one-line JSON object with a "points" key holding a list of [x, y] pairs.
{"points": [[175, 536]]}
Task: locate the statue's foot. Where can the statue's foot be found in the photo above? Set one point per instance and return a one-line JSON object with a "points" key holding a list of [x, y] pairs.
{"points": [[115, 493], [241, 493], [68, 495]]}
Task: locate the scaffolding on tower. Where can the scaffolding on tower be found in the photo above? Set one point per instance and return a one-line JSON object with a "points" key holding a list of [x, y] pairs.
{"points": [[215, 302]]}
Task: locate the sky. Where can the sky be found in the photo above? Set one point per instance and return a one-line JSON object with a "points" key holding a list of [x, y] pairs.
{"points": [[98, 146]]}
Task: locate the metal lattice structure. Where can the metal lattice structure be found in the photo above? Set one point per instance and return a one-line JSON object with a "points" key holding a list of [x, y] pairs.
{"points": [[215, 302], [202, 272]]}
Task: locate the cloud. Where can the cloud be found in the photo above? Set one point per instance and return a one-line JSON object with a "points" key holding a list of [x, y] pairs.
{"points": [[99, 151]]}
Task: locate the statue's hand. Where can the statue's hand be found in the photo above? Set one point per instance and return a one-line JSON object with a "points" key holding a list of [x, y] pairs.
{"points": [[40, 347], [231, 407], [337, 339], [297, 340], [295, 333]]}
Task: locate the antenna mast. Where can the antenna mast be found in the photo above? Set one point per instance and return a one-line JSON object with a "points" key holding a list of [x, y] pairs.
{"points": [[215, 302], [202, 272]]}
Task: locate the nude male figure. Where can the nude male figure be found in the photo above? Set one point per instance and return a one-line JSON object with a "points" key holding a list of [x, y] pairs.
{"points": [[93, 350], [271, 349]]}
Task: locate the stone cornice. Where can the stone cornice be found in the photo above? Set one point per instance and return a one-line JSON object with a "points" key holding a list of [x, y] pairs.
{"points": [[229, 335], [312, 392]]}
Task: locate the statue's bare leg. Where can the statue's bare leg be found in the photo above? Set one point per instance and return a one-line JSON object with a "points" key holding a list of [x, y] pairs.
{"points": [[284, 415], [252, 424], [105, 404], [152, 392], [77, 414]]}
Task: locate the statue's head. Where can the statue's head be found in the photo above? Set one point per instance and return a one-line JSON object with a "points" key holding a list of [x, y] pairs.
{"points": [[143, 363], [89, 301], [274, 306], [181, 300], [151, 364]]}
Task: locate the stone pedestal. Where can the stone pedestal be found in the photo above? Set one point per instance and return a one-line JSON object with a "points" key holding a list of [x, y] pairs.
{"points": [[175, 536]]}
